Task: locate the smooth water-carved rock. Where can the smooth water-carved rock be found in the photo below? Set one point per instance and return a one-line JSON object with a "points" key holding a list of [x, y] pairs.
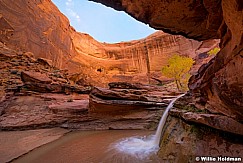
{"points": [[219, 122], [70, 107], [182, 142], [126, 97]]}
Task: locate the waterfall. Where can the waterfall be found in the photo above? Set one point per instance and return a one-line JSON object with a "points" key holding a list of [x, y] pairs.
{"points": [[142, 147], [163, 120]]}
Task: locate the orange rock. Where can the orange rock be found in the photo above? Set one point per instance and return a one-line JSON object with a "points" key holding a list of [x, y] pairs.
{"points": [[219, 84], [51, 37]]}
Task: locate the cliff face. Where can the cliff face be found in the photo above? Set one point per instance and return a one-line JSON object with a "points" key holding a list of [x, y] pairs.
{"points": [[134, 60], [218, 86], [39, 27], [151, 53]]}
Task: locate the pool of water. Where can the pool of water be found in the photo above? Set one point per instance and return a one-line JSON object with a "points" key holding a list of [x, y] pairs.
{"points": [[110, 146]]}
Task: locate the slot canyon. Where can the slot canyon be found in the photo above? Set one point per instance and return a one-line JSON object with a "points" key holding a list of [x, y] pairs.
{"points": [[56, 82]]}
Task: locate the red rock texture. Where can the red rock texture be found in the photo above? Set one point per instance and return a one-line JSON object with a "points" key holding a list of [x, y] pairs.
{"points": [[199, 20], [20, 71], [220, 83], [218, 86], [35, 77], [34, 94], [181, 142], [39, 27], [220, 122]]}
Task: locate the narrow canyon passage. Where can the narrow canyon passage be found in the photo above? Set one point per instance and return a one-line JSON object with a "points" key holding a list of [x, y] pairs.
{"points": [[66, 97]]}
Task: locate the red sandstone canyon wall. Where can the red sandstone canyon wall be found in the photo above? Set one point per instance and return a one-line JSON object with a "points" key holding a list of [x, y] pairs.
{"points": [[39, 27], [218, 86]]}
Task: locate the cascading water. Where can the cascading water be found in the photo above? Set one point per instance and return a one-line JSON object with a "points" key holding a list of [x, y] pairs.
{"points": [[142, 147], [163, 120]]}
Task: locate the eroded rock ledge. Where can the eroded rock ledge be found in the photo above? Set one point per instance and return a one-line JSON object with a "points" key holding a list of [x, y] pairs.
{"points": [[219, 122], [218, 86]]}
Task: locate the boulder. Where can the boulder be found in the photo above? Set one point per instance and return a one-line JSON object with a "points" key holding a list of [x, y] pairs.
{"points": [[35, 77]]}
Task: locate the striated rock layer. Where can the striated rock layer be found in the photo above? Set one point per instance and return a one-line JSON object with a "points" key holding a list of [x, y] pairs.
{"points": [[218, 86], [39, 27]]}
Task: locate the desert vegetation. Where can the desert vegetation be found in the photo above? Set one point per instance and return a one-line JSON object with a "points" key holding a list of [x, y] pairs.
{"points": [[178, 68]]}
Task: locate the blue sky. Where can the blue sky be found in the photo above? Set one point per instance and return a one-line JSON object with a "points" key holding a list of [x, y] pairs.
{"points": [[103, 23]]}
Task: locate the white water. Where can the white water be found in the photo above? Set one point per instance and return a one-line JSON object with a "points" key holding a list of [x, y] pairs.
{"points": [[142, 147], [138, 147], [163, 120]]}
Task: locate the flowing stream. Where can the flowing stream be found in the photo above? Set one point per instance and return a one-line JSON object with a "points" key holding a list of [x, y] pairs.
{"points": [[116, 146], [143, 147]]}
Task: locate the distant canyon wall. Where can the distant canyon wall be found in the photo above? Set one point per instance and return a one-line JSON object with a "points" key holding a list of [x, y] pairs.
{"points": [[39, 27]]}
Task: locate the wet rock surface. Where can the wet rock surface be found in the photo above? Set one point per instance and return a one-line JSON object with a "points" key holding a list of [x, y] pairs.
{"points": [[182, 142]]}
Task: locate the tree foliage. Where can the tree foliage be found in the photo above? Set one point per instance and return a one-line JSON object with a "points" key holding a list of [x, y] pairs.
{"points": [[178, 68], [213, 51]]}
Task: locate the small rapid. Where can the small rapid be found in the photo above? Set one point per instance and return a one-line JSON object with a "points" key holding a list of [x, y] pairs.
{"points": [[143, 147]]}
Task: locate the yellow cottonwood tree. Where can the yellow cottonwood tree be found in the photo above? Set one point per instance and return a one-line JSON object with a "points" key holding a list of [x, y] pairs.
{"points": [[214, 51], [178, 68]]}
